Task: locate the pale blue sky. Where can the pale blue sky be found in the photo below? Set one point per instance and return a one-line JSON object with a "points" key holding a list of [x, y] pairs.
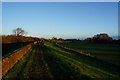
{"points": [[0, 18], [66, 20], [60, 0]]}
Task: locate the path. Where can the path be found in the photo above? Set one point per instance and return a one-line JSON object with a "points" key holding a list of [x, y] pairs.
{"points": [[53, 63], [39, 68]]}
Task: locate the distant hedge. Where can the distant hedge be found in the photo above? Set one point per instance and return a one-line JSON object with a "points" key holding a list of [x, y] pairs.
{"points": [[17, 39]]}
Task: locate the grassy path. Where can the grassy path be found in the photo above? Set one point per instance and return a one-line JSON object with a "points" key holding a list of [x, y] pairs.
{"points": [[39, 68], [53, 63], [31, 66]]}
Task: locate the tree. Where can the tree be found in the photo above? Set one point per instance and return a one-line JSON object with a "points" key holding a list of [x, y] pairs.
{"points": [[61, 39], [54, 38], [103, 38], [19, 32]]}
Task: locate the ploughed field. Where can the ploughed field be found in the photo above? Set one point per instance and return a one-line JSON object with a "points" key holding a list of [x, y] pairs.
{"points": [[107, 52], [51, 62]]}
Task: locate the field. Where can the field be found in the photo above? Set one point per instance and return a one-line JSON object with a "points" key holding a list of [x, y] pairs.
{"points": [[60, 40], [10, 47], [107, 52], [51, 62]]}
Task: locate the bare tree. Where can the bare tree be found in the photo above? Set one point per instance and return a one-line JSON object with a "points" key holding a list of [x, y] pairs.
{"points": [[54, 38], [19, 32]]}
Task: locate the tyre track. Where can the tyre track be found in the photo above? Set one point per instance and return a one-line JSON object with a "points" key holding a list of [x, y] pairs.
{"points": [[39, 68]]}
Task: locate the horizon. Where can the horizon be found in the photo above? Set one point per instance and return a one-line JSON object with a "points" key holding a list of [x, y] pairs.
{"points": [[61, 19], [113, 37]]}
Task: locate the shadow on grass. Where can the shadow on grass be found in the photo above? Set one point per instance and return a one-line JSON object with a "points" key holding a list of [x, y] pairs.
{"points": [[114, 69], [62, 69]]}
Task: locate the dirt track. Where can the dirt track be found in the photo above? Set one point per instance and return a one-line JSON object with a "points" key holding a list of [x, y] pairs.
{"points": [[39, 68], [53, 63]]}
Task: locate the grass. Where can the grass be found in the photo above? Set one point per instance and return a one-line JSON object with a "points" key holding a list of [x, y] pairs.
{"points": [[15, 72], [85, 66], [108, 52], [9, 48], [54, 63]]}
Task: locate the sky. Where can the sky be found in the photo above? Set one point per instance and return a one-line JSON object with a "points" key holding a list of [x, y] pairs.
{"points": [[60, 0], [61, 19], [0, 18]]}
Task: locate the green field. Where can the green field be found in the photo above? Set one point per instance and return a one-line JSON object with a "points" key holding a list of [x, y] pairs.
{"points": [[54, 63], [10, 47], [107, 52]]}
